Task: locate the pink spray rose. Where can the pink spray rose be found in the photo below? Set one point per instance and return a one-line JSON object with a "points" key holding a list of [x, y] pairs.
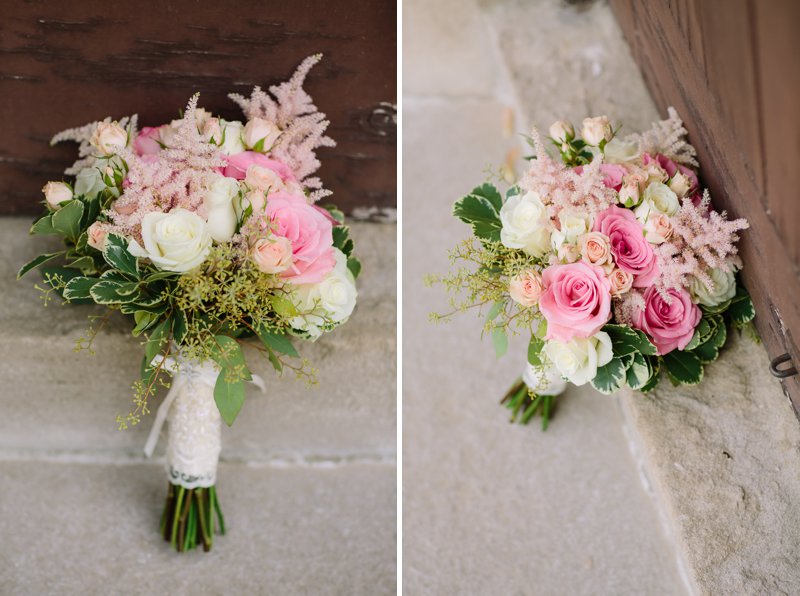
{"points": [[632, 252], [309, 232], [576, 301], [147, 141], [670, 325], [238, 164], [526, 288], [671, 168]]}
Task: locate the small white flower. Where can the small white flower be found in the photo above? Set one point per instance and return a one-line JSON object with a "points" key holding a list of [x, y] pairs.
{"points": [[219, 203], [56, 193], [259, 129], [232, 141], [176, 241], [578, 359], [619, 151], [596, 130], [561, 130], [109, 138], [524, 224], [327, 303]]}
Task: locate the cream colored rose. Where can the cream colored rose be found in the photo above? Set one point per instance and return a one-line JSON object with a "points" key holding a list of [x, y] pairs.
{"points": [[619, 151], [263, 178], [561, 131], [232, 137], [257, 130], [219, 203], [654, 173], [255, 199], [723, 288], [96, 235], [272, 255], [657, 228], [89, 182], [526, 288], [327, 303], [212, 131], [662, 198], [524, 220], [56, 193], [629, 194], [621, 282], [680, 184], [595, 130], [596, 250], [176, 241], [578, 359], [109, 138]]}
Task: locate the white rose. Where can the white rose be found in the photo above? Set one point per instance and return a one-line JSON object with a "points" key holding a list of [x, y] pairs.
{"points": [[212, 131], [232, 133], [724, 288], [56, 193], [573, 226], [219, 202], [109, 138], [595, 130], [561, 130], [326, 303], [523, 218], [547, 381], [89, 182], [578, 359], [657, 198], [259, 129], [177, 241], [619, 151]]}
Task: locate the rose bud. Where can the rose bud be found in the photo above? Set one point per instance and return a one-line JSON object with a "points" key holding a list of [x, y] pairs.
{"points": [[109, 138], [56, 193], [595, 130], [272, 255], [257, 130], [562, 131]]}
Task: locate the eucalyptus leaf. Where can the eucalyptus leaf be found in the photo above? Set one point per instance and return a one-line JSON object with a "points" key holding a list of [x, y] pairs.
{"points": [[229, 397], [500, 341]]}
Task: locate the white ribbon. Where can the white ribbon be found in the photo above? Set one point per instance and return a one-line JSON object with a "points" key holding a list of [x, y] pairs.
{"points": [[184, 373]]}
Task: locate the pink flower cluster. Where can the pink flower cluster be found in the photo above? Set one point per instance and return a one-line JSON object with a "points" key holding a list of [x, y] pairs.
{"points": [[632, 238]]}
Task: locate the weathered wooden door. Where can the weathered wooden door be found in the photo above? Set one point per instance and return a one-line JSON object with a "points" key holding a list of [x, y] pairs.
{"points": [[732, 70], [63, 64]]}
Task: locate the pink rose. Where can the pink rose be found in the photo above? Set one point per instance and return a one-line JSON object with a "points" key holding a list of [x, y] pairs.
{"points": [[526, 288], [147, 141], [272, 255], [670, 325], [621, 282], [596, 250], [577, 301], [670, 167], [310, 233], [238, 164], [632, 252]]}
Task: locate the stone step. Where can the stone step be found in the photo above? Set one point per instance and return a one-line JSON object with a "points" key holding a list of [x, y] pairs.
{"points": [[60, 404], [93, 529]]}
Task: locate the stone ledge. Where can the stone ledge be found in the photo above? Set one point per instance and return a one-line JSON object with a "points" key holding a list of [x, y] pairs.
{"points": [[724, 460], [55, 399]]}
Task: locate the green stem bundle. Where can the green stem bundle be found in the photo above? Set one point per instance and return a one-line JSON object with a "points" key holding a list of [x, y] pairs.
{"points": [[524, 404], [189, 517]]}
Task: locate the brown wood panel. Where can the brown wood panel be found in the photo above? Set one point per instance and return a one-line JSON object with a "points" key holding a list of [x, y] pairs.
{"points": [[63, 64], [658, 41]]}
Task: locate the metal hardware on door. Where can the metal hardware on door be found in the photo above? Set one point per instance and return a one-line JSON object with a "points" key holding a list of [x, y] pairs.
{"points": [[782, 373]]}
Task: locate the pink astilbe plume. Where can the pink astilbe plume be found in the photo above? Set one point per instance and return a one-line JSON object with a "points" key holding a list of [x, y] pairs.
{"points": [[667, 137], [628, 306], [302, 125], [82, 135], [175, 179], [561, 187], [702, 239]]}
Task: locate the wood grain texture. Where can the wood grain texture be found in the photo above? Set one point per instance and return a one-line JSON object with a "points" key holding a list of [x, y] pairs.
{"points": [[739, 104], [63, 64]]}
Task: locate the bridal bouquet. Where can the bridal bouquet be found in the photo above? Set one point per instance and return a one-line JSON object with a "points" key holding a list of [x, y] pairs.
{"points": [[610, 258], [205, 233]]}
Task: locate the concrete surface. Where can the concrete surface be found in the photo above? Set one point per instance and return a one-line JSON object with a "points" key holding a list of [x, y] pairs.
{"points": [[307, 479], [491, 508]]}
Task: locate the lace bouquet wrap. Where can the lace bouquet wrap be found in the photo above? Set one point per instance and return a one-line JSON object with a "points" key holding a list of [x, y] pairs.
{"points": [[610, 257], [207, 235]]}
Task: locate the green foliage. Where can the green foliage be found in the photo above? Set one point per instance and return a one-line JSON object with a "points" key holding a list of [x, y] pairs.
{"points": [[67, 220], [535, 351], [683, 368], [481, 210], [40, 260], [229, 396], [500, 341], [741, 309], [117, 256]]}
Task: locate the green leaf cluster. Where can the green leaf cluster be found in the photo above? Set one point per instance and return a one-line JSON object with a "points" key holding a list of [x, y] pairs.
{"points": [[481, 210], [634, 364]]}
